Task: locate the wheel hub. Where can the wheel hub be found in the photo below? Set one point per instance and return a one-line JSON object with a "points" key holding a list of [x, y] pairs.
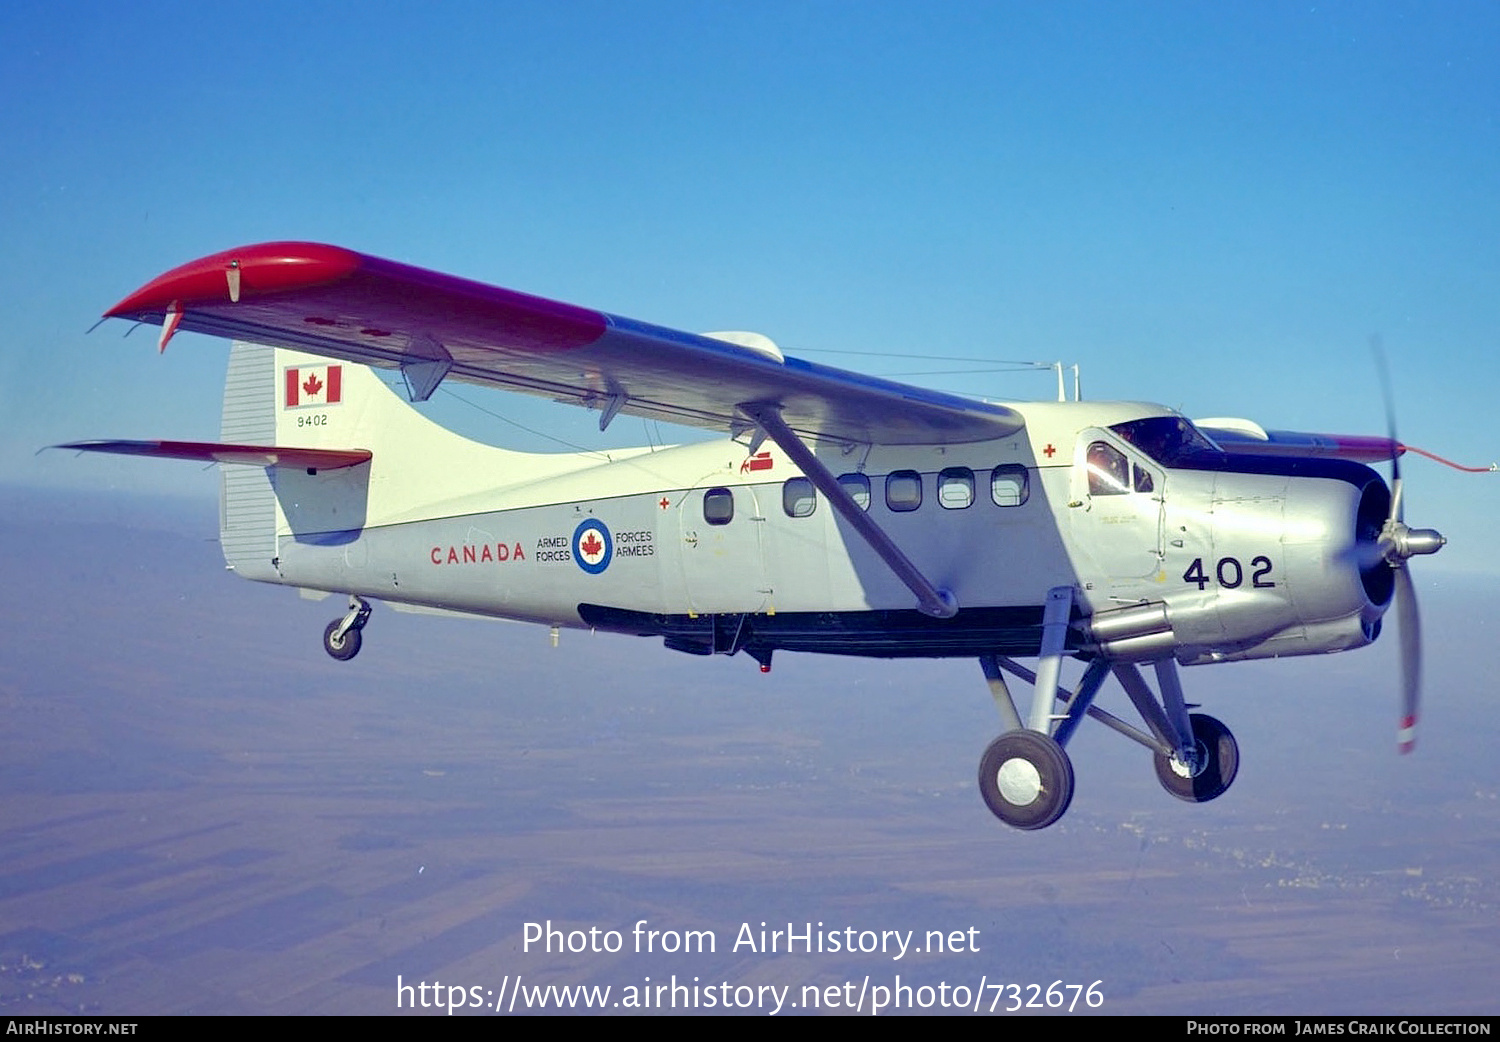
{"points": [[1026, 779], [1193, 769], [1019, 781]]}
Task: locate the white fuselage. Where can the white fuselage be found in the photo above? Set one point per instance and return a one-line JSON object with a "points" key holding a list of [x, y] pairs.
{"points": [[659, 540]]}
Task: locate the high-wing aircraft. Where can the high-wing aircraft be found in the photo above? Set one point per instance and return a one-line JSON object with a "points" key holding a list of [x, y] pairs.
{"points": [[841, 513]]}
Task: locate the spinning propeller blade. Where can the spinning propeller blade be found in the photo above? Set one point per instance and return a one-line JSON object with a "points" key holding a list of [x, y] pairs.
{"points": [[1397, 543], [1411, 659]]}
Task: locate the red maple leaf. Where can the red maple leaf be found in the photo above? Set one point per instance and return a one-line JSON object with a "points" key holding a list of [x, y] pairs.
{"points": [[591, 545], [312, 385]]}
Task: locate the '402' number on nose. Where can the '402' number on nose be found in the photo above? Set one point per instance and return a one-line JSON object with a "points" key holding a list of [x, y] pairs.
{"points": [[1230, 574]]}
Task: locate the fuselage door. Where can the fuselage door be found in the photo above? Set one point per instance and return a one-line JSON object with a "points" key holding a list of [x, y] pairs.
{"points": [[721, 537], [1118, 507]]}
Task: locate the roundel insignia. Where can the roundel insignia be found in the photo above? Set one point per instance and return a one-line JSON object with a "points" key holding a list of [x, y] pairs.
{"points": [[592, 546]]}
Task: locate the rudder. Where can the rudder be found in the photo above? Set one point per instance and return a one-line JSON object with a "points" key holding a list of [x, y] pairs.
{"points": [[247, 501]]}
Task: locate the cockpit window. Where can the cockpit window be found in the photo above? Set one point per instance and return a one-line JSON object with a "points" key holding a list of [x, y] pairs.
{"points": [[1170, 440], [1109, 471], [1111, 474]]}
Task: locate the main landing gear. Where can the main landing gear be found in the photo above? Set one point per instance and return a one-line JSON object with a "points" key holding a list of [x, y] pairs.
{"points": [[341, 638], [1025, 775], [1026, 779], [1217, 763]]}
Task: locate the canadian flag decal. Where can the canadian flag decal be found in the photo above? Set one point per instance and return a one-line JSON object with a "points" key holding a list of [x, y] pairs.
{"points": [[318, 385]]}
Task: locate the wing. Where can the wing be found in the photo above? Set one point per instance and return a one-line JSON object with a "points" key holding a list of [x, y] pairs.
{"points": [[342, 304], [1236, 435], [1246, 436]]}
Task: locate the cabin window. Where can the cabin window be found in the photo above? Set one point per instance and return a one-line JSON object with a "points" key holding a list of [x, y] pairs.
{"points": [[718, 506], [956, 488], [858, 487], [1010, 485], [903, 490], [798, 497]]}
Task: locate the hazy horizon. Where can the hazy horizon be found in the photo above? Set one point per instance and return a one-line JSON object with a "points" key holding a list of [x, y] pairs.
{"points": [[206, 814]]}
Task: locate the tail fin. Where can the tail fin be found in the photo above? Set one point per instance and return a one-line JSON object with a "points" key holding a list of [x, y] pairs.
{"points": [[416, 469], [291, 401]]}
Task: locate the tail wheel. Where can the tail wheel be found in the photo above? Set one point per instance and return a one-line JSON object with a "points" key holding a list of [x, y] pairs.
{"points": [[343, 647], [1026, 779], [1218, 763]]}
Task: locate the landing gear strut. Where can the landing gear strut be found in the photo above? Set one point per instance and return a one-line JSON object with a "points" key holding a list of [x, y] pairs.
{"points": [[341, 638], [1025, 775]]}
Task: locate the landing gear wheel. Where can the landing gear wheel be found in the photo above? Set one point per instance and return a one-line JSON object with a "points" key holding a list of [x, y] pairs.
{"points": [[342, 648], [1026, 779], [1218, 760]]}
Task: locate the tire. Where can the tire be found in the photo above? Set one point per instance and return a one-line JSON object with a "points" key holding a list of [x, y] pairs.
{"points": [[1026, 779], [342, 648], [1220, 755]]}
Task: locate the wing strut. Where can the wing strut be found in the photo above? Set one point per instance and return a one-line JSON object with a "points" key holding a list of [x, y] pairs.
{"points": [[940, 604]]}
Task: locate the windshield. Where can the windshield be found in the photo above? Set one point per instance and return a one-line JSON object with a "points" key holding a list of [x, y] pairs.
{"points": [[1170, 440]]}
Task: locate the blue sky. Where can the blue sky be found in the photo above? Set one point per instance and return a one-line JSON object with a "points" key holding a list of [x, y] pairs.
{"points": [[1212, 206]]}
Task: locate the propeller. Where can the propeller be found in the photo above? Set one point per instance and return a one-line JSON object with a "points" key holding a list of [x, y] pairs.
{"points": [[1396, 544]]}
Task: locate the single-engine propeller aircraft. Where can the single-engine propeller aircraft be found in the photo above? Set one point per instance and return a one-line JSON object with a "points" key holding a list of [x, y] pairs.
{"points": [[844, 514]]}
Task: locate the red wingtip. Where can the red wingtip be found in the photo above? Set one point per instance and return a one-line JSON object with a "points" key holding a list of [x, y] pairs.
{"points": [[267, 268]]}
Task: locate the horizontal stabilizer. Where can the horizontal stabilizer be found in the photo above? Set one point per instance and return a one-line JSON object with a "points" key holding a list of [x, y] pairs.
{"points": [[217, 452]]}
